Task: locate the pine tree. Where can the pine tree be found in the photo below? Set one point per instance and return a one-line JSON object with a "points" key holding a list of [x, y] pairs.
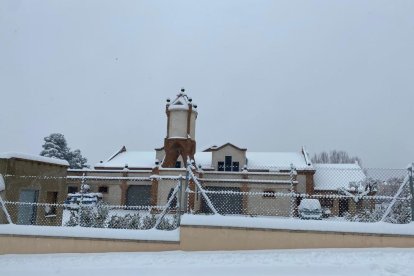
{"points": [[76, 160], [55, 146]]}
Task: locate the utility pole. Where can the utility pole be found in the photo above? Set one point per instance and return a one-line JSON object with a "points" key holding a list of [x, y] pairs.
{"points": [[292, 191]]}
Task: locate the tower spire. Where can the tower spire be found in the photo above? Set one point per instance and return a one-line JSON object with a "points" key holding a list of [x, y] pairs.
{"points": [[181, 122]]}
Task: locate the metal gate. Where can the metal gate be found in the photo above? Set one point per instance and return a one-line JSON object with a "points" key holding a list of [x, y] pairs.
{"points": [[139, 195], [27, 212], [223, 202]]}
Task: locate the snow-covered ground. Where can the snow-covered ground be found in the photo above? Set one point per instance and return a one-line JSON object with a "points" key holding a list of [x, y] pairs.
{"points": [[275, 262]]}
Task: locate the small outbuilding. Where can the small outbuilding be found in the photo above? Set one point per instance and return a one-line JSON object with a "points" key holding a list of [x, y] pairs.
{"points": [[33, 179]]}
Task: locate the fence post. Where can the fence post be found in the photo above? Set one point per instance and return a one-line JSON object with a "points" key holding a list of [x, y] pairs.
{"points": [[186, 193], [2, 204], [410, 169], [292, 192], [81, 200], [179, 198]]}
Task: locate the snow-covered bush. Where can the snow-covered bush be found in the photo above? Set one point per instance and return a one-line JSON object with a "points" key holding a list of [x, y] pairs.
{"points": [[87, 216], [125, 222], [117, 222], [101, 215], [98, 217], [148, 222], [167, 224], [366, 215], [73, 219], [400, 212], [134, 221]]}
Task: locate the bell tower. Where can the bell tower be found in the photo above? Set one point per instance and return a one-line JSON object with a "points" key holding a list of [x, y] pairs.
{"points": [[181, 122]]}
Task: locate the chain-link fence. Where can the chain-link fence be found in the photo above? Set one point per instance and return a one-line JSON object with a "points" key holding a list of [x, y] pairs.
{"points": [[95, 201], [134, 200], [98, 215], [342, 192]]}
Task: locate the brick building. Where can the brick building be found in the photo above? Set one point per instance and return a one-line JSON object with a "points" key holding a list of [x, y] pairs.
{"points": [[224, 167]]}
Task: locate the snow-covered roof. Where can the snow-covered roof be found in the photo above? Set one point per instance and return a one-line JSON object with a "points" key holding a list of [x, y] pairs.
{"points": [[277, 160], [134, 159], [30, 157], [203, 158], [144, 159], [216, 148], [333, 176], [256, 160]]}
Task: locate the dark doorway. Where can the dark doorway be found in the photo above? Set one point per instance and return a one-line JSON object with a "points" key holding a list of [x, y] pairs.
{"points": [[343, 206]]}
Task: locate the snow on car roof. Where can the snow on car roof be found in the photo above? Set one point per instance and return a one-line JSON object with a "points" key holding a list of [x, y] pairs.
{"points": [[309, 203]]}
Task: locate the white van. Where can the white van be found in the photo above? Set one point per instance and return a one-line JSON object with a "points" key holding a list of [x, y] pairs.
{"points": [[310, 209]]}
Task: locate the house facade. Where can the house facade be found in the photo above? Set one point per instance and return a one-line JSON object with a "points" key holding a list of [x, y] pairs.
{"points": [[346, 179], [225, 167]]}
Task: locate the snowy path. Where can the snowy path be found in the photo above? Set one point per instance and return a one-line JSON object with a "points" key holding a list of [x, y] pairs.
{"points": [[274, 262]]}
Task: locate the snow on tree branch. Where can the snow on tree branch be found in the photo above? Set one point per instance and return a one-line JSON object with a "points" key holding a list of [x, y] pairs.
{"points": [[55, 146]]}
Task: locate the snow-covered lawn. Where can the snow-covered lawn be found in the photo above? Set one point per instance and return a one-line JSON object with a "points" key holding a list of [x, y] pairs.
{"points": [[274, 262]]}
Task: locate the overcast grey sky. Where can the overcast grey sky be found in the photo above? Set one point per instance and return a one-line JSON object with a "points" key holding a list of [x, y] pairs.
{"points": [[266, 75]]}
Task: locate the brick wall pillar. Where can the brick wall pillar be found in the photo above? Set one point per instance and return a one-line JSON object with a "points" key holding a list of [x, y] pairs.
{"points": [[124, 188], [310, 187], [197, 197], [245, 188], [154, 187], [191, 197]]}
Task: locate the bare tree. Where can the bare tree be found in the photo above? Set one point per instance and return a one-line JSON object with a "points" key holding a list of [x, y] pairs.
{"points": [[335, 157]]}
